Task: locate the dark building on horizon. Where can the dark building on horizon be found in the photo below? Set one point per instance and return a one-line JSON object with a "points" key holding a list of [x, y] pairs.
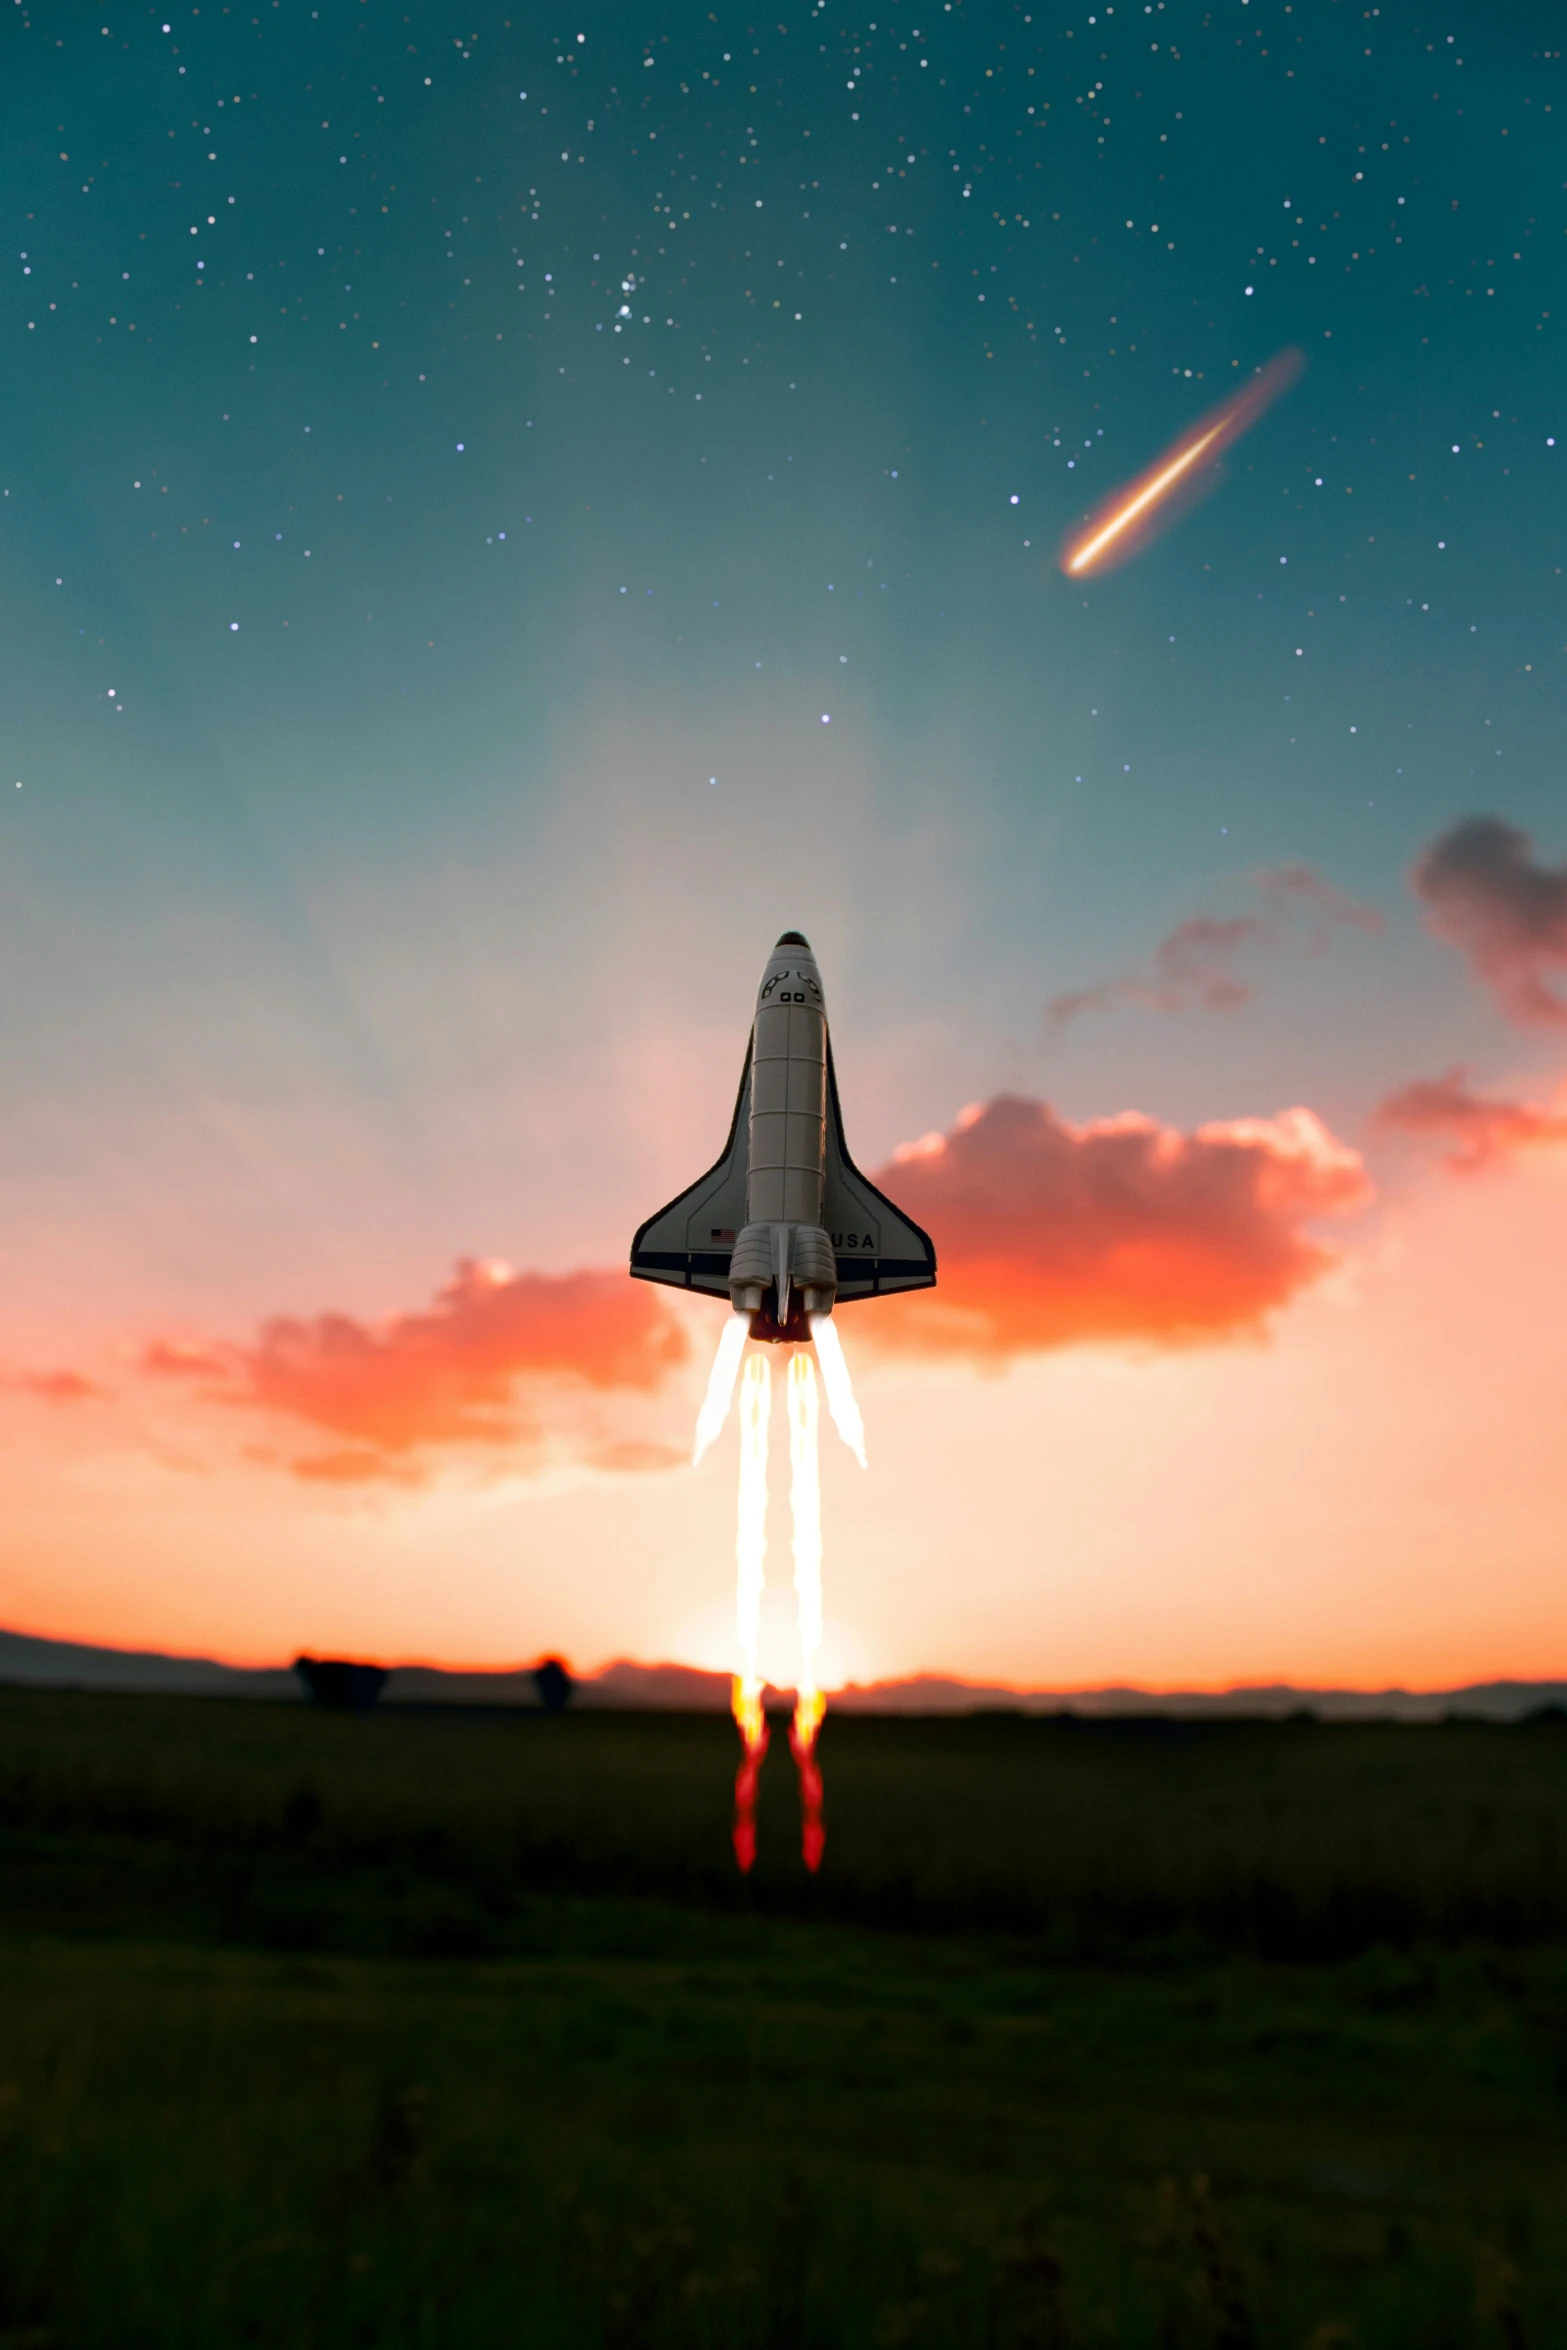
{"points": [[344, 1686]]}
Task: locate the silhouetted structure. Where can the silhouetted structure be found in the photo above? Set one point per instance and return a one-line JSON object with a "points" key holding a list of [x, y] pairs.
{"points": [[554, 1685], [347, 1688]]}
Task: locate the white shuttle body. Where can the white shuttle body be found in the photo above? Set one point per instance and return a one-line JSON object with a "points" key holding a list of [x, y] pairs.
{"points": [[785, 1225]]}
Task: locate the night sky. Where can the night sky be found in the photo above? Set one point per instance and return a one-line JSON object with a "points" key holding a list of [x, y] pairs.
{"points": [[501, 515]]}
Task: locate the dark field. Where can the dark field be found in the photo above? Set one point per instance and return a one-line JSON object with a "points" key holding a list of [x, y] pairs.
{"points": [[447, 2029]]}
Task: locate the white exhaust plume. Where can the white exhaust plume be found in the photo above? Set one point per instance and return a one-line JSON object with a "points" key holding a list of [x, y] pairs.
{"points": [[840, 1387], [805, 1500], [756, 1396], [720, 1385], [803, 1398], [805, 1506]]}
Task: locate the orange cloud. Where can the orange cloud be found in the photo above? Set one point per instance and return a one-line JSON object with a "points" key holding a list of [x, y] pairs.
{"points": [[1052, 1235], [176, 1358], [1482, 1128], [56, 1386], [453, 1376], [357, 1468], [1488, 897]]}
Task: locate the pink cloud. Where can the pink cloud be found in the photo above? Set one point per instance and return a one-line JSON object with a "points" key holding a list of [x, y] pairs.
{"points": [[1051, 1235], [1203, 965], [1192, 969], [1486, 895], [1481, 1128], [1297, 885]]}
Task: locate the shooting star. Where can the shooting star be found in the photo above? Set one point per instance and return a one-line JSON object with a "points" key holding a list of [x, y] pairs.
{"points": [[786, 1227], [1137, 513]]}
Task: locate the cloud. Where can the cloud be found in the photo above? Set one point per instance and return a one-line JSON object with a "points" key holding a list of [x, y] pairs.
{"points": [[55, 1386], [1301, 885], [1200, 966], [1482, 1128], [488, 1366], [634, 1456], [1051, 1235], [358, 1468], [175, 1358], [1191, 969], [1485, 895]]}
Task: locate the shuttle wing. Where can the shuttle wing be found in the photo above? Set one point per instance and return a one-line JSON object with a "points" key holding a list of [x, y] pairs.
{"points": [[878, 1249], [689, 1243]]}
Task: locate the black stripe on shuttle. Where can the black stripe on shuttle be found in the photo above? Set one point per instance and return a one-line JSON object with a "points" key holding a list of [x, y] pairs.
{"points": [[659, 1260], [858, 1272], [879, 1268]]}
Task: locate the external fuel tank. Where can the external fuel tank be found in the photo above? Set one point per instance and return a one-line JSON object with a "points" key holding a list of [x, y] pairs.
{"points": [[788, 1143]]}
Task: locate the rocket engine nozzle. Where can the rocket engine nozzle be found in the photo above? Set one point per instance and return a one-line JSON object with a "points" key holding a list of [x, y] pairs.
{"points": [[815, 1268], [780, 1274], [751, 1268]]}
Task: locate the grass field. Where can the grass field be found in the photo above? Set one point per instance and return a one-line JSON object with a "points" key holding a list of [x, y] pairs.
{"points": [[448, 2030]]}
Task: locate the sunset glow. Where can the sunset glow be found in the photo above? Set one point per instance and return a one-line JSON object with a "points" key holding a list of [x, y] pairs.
{"points": [[472, 586]]}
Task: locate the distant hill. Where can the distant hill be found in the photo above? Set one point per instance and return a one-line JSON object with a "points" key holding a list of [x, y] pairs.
{"points": [[67, 1664], [1497, 1701]]}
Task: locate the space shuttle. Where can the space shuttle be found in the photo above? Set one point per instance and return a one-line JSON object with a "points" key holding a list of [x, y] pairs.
{"points": [[785, 1225]]}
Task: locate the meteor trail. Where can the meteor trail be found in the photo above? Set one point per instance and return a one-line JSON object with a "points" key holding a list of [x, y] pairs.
{"points": [[1134, 515]]}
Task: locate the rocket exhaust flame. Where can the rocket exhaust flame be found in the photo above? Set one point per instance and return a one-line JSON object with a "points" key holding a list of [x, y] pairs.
{"points": [[753, 1731], [756, 1394], [802, 1745], [720, 1387], [1135, 514], [840, 1388], [805, 1503], [805, 1500]]}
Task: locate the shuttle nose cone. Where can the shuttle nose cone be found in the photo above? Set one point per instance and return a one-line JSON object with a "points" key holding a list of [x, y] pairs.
{"points": [[794, 938]]}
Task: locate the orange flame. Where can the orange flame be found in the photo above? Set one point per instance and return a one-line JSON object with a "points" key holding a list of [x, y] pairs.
{"points": [[1130, 518], [756, 1393], [746, 1706], [809, 1712]]}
